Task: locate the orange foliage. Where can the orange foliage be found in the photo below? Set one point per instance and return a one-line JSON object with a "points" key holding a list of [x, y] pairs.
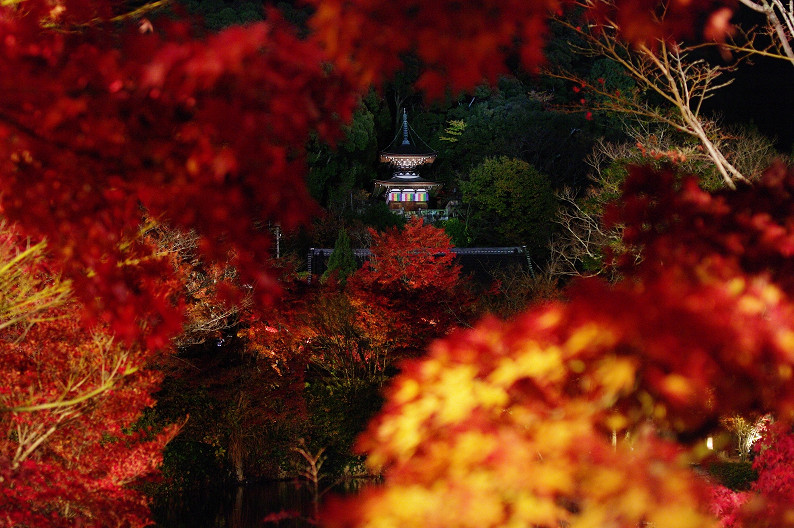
{"points": [[409, 293], [98, 121], [411, 288], [509, 424], [417, 258]]}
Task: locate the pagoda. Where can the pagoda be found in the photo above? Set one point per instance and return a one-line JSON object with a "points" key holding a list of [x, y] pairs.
{"points": [[406, 191]]}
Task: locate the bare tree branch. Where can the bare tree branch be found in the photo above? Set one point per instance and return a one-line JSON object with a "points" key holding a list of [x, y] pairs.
{"points": [[665, 71], [779, 27]]}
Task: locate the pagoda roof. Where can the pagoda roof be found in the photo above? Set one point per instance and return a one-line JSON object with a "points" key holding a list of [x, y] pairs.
{"points": [[406, 145], [407, 149], [415, 183]]}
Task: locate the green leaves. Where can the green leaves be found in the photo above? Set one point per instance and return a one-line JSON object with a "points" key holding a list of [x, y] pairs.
{"points": [[453, 132], [336, 172], [512, 204]]}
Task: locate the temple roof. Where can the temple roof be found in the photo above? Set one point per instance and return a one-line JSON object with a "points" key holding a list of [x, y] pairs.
{"points": [[407, 179], [481, 262], [414, 183], [408, 149]]}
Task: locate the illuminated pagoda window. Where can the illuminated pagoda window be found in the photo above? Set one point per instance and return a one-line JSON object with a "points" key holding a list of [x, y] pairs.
{"points": [[406, 191]]}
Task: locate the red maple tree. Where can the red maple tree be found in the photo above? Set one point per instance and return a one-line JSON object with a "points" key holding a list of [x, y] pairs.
{"points": [[411, 288], [100, 121], [102, 124], [462, 44], [699, 329], [768, 502], [410, 292], [69, 399]]}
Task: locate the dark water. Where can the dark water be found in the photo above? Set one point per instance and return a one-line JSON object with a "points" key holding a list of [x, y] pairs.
{"points": [[237, 507], [247, 506]]}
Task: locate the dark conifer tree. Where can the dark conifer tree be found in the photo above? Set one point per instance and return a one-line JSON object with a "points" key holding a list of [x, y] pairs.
{"points": [[342, 259]]}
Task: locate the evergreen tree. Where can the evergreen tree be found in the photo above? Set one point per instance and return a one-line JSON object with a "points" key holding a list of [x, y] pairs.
{"points": [[342, 259]]}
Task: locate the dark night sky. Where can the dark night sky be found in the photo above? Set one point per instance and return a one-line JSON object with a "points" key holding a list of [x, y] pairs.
{"points": [[761, 94]]}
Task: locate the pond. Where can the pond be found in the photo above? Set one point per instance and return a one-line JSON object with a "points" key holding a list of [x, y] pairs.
{"points": [[240, 506]]}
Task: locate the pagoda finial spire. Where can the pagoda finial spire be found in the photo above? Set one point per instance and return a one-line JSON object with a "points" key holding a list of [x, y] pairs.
{"points": [[405, 128]]}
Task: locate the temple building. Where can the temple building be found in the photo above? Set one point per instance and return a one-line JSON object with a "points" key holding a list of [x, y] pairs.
{"points": [[406, 191]]}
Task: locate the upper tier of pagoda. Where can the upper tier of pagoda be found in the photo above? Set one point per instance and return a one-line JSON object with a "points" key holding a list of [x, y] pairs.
{"points": [[406, 156]]}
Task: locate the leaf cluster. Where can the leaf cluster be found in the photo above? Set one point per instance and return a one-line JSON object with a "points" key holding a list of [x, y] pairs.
{"points": [[69, 403], [512, 204], [520, 420]]}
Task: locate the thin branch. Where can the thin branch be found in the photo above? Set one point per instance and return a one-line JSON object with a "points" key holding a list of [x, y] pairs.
{"points": [[665, 71]]}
